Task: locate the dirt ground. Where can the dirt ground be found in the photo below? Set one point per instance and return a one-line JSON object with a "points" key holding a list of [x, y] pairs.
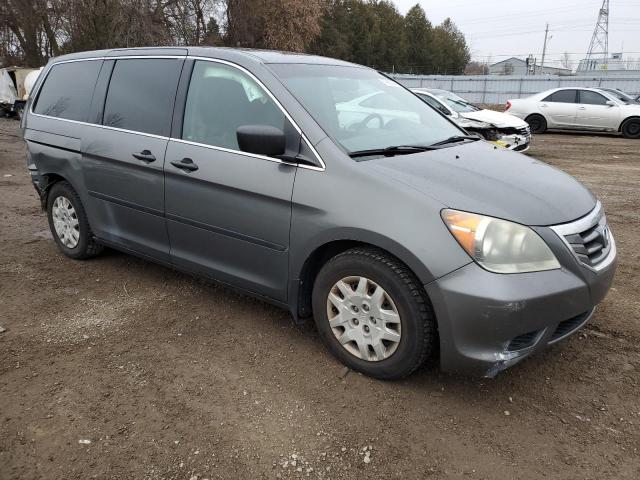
{"points": [[119, 368]]}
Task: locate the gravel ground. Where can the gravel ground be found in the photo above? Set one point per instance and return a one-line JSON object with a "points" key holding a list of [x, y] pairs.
{"points": [[119, 368]]}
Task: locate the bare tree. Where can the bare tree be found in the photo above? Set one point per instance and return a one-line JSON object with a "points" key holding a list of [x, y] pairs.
{"points": [[278, 24], [565, 60]]}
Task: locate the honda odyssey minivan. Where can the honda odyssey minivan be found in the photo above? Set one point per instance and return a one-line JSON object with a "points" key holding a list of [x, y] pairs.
{"points": [[404, 237]]}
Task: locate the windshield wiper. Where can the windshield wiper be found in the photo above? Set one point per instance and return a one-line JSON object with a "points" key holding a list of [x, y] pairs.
{"points": [[391, 151], [455, 139]]}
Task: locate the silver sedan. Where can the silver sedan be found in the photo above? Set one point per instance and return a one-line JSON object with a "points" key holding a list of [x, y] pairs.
{"points": [[579, 109]]}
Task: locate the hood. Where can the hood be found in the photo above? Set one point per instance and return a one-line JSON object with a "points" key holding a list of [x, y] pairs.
{"points": [[499, 119], [480, 178], [630, 109]]}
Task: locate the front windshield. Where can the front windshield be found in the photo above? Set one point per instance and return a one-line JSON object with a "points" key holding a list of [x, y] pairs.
{"points": [[456, 103], [623, 97], [362, 109]]}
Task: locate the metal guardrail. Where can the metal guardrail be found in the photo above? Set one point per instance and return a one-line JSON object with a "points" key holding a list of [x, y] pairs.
{"points": [[500, 88]]}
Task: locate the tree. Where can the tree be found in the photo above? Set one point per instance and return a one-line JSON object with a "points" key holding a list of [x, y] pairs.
{"points": [[275, 24], [565, 60], [476, 68], [370, 32], [450, 49], [419, 34]]}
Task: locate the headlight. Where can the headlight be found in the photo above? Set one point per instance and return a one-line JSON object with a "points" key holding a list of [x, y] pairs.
{"points": [[467, 123], [498, 245]]}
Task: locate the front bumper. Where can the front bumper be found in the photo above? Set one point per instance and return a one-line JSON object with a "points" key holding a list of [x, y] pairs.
{"points": [[517, 142], [488, 322]]}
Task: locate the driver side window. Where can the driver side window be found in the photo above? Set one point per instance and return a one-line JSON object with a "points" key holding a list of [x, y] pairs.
{"points": [[222, 98], [592, 98]]}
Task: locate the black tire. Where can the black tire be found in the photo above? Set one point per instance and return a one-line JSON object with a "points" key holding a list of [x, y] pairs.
{"points": [[87, 246], [631, 128], [537, 123], [418, 339]]}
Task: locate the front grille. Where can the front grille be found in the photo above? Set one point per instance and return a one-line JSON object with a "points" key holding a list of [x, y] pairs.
{"points": [[522, 341], [568, 326], [592, 245], [525, 131], [589, 239]]}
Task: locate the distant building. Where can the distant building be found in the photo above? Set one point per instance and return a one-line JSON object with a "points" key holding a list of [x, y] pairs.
{"points": [[614, 65], [518, 66]]}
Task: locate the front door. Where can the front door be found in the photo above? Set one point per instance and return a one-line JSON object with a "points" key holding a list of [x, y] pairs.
{"points": [[123, 157], [228, 212], [594, 112]]}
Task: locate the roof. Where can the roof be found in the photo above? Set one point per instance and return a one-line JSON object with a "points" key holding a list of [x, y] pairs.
{"points": [[509, 60], [256, 55]]}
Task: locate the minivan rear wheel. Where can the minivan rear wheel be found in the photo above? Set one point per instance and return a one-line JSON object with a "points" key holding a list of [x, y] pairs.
{"points": [[373, 314], [537, 123], [68, 223]]}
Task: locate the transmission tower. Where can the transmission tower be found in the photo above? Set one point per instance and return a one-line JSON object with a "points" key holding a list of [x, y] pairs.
{"points": [[599, 46]]}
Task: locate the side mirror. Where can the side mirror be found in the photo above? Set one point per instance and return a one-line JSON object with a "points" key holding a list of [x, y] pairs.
{"points": [[261, 140], [611, 103]]}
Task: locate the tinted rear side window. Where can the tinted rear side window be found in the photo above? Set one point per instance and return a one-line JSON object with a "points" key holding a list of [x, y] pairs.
{"points": [[562, 96], [67, 90], [141, 95]]}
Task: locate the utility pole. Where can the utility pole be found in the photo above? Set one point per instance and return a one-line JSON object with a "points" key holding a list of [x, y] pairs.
{"points": [[544, 47]]}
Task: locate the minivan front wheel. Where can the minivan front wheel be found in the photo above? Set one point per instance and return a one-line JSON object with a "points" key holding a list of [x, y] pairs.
{"points": [[373, 314], [68, 223]]}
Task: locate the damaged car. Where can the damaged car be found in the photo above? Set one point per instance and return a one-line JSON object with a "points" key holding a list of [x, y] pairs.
{"points": [[405, 238], [499, 128]]}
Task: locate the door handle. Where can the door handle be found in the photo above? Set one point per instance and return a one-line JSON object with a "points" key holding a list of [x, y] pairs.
{"points": [[145, 155], [582, 108], [185, 164]]}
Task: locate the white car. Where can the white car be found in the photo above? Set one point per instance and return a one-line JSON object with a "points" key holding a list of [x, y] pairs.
{"points": [[578, 109], [502, 129]]}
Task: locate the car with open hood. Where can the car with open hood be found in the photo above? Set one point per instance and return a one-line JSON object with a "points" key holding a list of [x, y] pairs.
{"points": [[405, 239], [500, 128]]}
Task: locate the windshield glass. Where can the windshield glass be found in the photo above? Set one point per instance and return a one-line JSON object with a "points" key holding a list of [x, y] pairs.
{"points": [[455, 103], [623, 97], [361, 109]]}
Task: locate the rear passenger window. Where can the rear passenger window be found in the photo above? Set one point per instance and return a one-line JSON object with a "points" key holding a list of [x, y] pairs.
{"points": [[141, 95], [221, 99], [562, 96], [67, 90]]}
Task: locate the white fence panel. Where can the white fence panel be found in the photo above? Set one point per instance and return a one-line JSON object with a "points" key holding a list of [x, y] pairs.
{"points": [[498, 89]]}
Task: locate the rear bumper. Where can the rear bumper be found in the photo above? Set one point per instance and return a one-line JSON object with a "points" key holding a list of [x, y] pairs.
{"points": [[488, 322]]}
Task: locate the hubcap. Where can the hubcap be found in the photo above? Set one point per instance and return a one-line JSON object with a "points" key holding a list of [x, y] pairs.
{"points": [[65, 222], [364, 318]]}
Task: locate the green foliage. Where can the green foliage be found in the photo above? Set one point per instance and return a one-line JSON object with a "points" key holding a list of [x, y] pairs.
{"points": [[374, 33], [368, 32]]}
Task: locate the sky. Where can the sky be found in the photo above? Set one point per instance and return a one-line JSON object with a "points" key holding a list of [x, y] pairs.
{"points": [[498, 29]]}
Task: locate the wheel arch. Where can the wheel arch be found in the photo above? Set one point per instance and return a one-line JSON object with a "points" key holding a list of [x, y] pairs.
{"points": [[49, 180], [304, 272]]}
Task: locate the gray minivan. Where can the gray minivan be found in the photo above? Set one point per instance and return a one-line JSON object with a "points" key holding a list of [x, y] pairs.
{"points": [[403, 236]]}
